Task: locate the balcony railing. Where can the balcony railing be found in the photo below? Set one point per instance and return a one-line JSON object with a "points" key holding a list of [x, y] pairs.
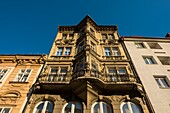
{"points": [[62, 77], [115, 57], [104, 76], [92, 74]]}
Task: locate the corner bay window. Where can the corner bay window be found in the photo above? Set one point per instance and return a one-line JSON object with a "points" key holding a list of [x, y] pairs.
{"points": [[23, 75], [112, 51]]}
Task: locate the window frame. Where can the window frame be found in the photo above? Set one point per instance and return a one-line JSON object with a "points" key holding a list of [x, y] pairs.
{"points": [[128, 103], [162, 81], [140, 45], [6, 108], [73, 103], [4, 74], [23, 73], [149, 60], [101, 107], [44, 106]]}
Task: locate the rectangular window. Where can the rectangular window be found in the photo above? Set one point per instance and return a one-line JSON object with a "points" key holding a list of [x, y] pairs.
{"points": [[93, 46], [165, 60], [23, 75], [149, 60], [3, 72], [112, 71], [162, 82], [5, 110], [59, 51], [67, 51], [64, 36], [63, 70], [107, 51], [140, 45], [115, 51], [154, 46], [110, 36], [121, 71]]}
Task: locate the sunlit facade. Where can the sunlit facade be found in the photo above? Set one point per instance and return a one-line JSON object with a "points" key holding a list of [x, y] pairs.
{"points": [[87, 71]]}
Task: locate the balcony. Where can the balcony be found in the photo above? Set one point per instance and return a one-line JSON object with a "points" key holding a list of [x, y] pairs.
{"points": [[118, 57]]}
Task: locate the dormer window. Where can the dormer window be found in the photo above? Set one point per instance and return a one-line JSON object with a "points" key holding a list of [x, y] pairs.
{"points": [[67, 51], [59, 51]]}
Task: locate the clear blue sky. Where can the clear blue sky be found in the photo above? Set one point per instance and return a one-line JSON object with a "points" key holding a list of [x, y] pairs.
{"points": [[30, 26]]}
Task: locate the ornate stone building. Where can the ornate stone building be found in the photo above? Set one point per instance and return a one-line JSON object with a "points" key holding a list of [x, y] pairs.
{"points": [[17, 75], [87, 71]]}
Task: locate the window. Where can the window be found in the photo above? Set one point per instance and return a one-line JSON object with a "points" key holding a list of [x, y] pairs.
{"points": [[64, 36], [129, 107], [149, 60], [72, 107], [93, 46], [121, 71], [3, 72], [5, 110], [67, 51], [140, 45], [110, 36], [115, 51], [165, 60], [162, 82], [57, 74], [107, 51], [81, 46], [101, 107], [112, 74], [44, 107], [59, 51], [71, 36], [154, 46], [104, 36], [23, 75]]}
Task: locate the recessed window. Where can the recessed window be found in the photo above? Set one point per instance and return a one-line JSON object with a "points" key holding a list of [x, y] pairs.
{"points": [[165, 60], [154, 46], [112, 51], [23, 75], [149, 60], [162, 82], [93, 46], [72, 107], [67, 51], [64, 36], [57, 74], [44, 107], [59, 51], [129, 107], [3, 72], [101, 107], [140, 45], [5, 110]]}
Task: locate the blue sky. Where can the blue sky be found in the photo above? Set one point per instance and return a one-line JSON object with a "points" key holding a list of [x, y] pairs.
{"points": [[30, 26]]}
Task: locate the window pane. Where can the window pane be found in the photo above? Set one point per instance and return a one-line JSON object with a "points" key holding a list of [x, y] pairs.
{"points": [[68, 51], [63, 70], [39, 108], [53, 70], [164, 83], [49, 108], [125, 108], [106, 108], [96, 108], [135, 108], [157, 80], [107, 51], [6, 110], [122, 71]]}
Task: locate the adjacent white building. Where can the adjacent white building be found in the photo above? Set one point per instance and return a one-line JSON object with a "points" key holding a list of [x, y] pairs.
{"points": [[151, 59]]}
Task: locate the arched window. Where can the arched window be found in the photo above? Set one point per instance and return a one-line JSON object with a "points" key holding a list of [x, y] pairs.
{"points": [[129, 107], [44, 107], [101, 107], [72, 107]]}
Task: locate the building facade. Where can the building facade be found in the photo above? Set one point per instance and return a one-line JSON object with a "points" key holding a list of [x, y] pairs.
{"points": [[151, 58], [17, 75], [87, 71]]}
